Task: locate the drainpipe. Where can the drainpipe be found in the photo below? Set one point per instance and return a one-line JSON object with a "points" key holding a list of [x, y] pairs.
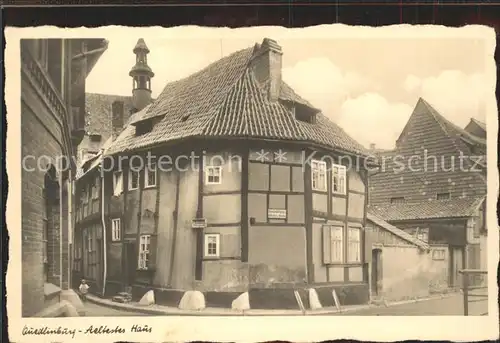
{"points": [[61, 228], [104, 236]]}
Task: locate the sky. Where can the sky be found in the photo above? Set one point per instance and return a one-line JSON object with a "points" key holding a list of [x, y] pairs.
{"points": [[367, 83]]}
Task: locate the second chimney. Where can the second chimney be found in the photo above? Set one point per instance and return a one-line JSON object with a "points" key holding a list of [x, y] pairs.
{"points": [[117, 118], [267, 66]]}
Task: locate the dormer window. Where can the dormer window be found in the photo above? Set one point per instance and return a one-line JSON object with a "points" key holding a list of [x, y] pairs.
{"points": [[95, 138], [443, 196], [303, 115], [143, 127], [398, 200]]}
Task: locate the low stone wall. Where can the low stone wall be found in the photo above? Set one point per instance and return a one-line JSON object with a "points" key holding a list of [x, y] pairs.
{"points": [[264, 298]]}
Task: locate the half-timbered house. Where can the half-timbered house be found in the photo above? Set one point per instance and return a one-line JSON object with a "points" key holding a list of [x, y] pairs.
{"points": [[105, 117], [235, 183]]}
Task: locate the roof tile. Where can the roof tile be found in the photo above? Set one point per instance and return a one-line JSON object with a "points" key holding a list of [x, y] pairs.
{"points": [[452, 208]]}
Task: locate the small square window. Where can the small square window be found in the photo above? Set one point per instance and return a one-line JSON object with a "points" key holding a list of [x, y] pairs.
{"points": [[150, 178], [398, 200], [213, 175], [443, 196], [116, 230], [133, 179], [438, 254], [212, 245]]}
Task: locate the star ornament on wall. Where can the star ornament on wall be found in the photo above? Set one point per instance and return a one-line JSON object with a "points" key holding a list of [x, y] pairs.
{"points": [[280, 156], [262, 156]]}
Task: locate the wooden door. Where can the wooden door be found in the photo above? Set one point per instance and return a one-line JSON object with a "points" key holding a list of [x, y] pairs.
{"points": [[376, 280], [130, 262], [456, 264]]}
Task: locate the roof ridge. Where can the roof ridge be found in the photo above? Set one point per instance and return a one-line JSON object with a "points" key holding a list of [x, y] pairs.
{"points": [[106, 94], [478, 122], [454, 126], [442, 121]]}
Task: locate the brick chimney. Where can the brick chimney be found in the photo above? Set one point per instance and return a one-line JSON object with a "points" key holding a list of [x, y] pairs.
{"points": [[117, 117], [266, 65]]}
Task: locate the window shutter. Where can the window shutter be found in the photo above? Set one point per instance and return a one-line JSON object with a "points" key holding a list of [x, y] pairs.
{"points": [[152, 252], [326, 244]]}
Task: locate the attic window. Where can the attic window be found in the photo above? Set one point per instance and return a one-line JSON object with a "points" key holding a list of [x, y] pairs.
{"points": [[95, 138], [443, 196], [398, 200], [304, 115], [143, 127]]}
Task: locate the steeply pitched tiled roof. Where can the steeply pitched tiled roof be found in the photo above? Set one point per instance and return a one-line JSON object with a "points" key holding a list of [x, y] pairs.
{"points": [[452, 208], [396, 231], [427, 138], [224, 100], [98, 107]]}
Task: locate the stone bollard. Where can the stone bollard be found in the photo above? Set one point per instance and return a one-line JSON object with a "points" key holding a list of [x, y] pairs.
{"points": [[148, 298], [241, 303], [314, 302], [192, 300]]}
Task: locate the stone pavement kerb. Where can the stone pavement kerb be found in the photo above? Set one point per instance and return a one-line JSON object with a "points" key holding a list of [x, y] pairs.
{"points": [[160, 310]]}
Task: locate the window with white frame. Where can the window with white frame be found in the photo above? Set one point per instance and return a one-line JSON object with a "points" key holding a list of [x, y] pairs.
{"points": [[212, 245], [318, 175], [117, 183], [213, 175], [333, 244], [338, 179], [133, 179], [354, 245], [144, 245], [116, 229], [150, 177]]}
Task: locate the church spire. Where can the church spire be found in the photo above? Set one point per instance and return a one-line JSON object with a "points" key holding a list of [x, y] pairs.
{"points": [[141, 75]]}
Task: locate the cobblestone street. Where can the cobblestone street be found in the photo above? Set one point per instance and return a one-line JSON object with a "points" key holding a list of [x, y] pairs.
{"points": [[450, 306]]}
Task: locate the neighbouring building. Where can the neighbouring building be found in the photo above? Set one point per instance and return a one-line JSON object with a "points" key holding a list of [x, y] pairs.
{"points": [[426, 189], [53, 73], [106, 117], [403, 265], [476, 128], [99, 122], [248, 190]]}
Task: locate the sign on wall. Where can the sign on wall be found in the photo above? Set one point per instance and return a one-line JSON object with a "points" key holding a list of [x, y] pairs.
{"points": [[275, 213], [199, 223]]}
